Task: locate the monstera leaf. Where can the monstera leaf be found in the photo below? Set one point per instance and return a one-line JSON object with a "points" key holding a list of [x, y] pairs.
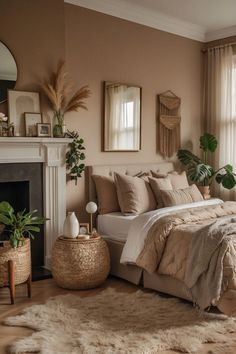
{"points": [[208, 142], [226, 177], [200, 172], [187, 157]]}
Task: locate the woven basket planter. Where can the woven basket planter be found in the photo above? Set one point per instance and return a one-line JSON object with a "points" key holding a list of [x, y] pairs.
{"points": [[21, 258], [80, 264]]}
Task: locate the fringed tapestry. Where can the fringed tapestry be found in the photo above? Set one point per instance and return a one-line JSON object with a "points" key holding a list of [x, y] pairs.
{"points": [[169, 123]]}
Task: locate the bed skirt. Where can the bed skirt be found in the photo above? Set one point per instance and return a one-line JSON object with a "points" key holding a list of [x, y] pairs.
{"points": [[135, 275]]}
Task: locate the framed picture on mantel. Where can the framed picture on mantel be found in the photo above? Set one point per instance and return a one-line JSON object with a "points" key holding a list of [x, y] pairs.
{"points": [[20, 102]]}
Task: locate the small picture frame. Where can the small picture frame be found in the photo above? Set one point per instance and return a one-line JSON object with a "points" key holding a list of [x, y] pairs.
{"points": [[31, 121], [84, 228], [44, 129]]}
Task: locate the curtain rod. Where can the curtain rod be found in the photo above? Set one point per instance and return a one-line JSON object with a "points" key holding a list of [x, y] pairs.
{"points": [[218, 46]]}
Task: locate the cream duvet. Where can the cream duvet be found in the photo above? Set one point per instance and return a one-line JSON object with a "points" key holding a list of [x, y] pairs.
{"points": [[193, 243]]}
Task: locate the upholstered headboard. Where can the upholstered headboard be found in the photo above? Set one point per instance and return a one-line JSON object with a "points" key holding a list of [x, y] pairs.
{"points": [[132, 169]]}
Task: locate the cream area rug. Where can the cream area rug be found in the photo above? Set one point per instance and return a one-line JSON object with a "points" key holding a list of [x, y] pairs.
{"points": [[114, 322]]}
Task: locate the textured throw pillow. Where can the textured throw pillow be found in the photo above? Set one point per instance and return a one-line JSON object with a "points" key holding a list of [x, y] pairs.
{"points": [[179, 181], [106, 193], [158, 184], [181, 196], [134, 194]]}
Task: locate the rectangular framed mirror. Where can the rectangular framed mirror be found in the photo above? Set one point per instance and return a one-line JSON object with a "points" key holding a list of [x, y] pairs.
{"points": [[122, 117]]}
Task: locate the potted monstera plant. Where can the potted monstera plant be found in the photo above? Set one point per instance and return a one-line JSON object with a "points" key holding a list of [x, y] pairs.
{"points": [[201, 172], [17, 229]]}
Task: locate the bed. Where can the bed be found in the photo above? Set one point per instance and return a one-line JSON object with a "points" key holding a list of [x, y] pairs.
{"points": [[115, 228]]}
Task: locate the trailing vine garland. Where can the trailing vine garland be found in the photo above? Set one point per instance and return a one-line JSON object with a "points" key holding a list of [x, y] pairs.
{"points": [[74, 155]]}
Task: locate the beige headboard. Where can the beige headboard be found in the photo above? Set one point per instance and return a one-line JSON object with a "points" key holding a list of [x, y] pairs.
{"points": [[107, 170]]}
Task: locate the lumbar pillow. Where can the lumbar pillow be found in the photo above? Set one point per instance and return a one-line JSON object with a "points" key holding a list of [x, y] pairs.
{"points": [[158, 184], [181, 196], [106, 193], [134, 194]]}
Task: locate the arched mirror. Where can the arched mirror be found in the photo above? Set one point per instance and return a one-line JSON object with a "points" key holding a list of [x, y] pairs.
{"points": [[8, 71], [122, 117]]}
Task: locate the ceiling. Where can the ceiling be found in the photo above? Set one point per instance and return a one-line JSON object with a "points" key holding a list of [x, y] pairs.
{"points": [[202, 20]]}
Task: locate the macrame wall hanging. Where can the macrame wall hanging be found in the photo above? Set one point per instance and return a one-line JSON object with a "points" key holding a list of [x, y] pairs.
{"points": [[169, 123]]}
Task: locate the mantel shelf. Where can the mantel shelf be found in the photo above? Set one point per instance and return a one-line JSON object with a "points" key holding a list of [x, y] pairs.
{"points": [[27, 139]]}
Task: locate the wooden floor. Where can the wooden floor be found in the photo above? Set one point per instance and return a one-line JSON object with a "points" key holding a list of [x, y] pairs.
{"points": [[44, 289]]}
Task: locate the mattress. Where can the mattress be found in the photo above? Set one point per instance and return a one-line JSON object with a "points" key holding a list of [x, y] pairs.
{"points": [[114, 226]]}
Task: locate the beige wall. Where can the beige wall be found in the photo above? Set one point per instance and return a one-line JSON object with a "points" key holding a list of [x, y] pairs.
{"points": [[101, 47], [98, 47]]}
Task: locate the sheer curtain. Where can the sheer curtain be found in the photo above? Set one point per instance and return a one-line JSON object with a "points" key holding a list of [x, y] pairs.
{"points": [[124, 113], [220, 108]]}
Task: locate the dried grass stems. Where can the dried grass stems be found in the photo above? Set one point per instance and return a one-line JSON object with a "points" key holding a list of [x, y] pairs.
{"points": [[58, 92]]}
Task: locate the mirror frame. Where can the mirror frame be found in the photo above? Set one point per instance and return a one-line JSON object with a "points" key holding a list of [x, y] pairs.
{"points": [[104, 118], [17, 73]]}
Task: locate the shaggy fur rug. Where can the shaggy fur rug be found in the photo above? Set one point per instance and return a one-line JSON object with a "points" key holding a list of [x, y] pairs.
{"points": [[114, 322]]}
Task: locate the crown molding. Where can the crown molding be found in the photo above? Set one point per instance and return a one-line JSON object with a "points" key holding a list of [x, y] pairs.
{"points": [[219, 34], [141, 15]]}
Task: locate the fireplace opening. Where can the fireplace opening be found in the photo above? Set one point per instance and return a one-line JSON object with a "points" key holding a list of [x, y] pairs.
{"points": [[21, 184], [17, 194]]}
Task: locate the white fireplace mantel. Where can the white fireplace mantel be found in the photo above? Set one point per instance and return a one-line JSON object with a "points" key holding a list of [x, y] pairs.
{"points": [[51, 152]]}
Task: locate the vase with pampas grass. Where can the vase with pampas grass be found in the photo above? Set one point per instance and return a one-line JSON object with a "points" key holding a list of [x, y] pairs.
{"points": [[58, 92]]}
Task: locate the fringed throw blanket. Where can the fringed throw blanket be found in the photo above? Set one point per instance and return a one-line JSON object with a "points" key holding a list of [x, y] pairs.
{"points": [[198, 247]]}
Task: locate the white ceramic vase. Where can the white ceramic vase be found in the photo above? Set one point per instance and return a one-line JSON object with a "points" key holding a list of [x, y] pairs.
{"points": [[71, 225]]}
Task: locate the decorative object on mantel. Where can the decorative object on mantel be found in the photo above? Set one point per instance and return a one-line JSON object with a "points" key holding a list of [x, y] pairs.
{"points": [[31, 121], [80, 264], [3, 123], [169, 123], [71, 225], [199, 170], [74, 155], [15, 257], [20, 102], [91, 208], [44, 129], [115, 320], [57, 91]]}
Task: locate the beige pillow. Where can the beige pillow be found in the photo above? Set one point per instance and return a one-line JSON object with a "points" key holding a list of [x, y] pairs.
{"points": [[179, 181], [181, 196], [106, 193], [158, 184], [134, 194], [157, 174]]}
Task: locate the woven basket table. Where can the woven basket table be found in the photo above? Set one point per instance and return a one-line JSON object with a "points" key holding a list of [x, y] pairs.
{"points": [[80, 264]]}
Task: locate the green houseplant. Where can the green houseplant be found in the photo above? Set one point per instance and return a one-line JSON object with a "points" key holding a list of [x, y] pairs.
{"points": [[200, 171], [74, 156], [19, 225], [15, 256]]}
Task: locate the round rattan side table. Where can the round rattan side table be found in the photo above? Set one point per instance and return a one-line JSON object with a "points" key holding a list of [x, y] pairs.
{"points": [[80, 264]]}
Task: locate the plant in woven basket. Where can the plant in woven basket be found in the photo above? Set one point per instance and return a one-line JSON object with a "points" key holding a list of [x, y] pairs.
{"points": [[74, 155], [58, 92], [199, 170], [19, 225]]}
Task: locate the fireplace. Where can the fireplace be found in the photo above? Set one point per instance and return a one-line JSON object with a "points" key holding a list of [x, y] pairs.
{"points": [[34, 173], [21, 184]]}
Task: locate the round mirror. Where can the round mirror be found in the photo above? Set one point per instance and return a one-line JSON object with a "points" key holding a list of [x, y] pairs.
{"points": [[8, 72]]}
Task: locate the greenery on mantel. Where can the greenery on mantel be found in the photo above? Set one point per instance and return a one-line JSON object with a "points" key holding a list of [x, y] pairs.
{"points": [[74, 155], [199, 170]]}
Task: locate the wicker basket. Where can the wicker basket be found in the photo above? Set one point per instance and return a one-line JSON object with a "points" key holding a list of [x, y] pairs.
{"points": [[80, 264], [21, 258]]}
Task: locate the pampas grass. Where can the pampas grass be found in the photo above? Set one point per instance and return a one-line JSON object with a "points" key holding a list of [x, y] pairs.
{"points": [[58, 92]]}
